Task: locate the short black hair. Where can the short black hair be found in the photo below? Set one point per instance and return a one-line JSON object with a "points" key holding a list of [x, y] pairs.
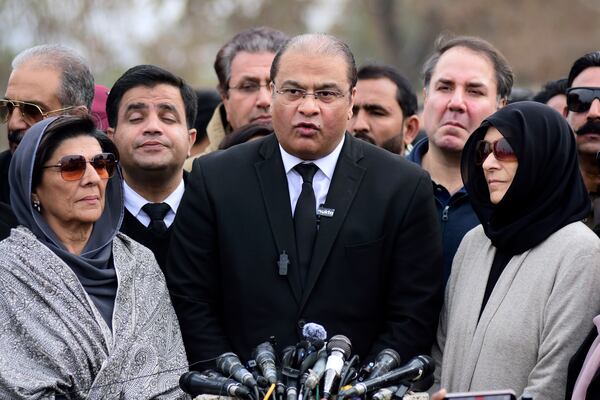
{"points": [[208, 100], [245, 133], [63, 128], [551, 89], [149, 76], [581, 64], [405, 94]]}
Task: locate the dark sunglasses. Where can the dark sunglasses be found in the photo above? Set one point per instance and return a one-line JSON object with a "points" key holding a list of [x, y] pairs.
{"points": [[30, 112], [72, 168], [580, 99], [501, 149]]}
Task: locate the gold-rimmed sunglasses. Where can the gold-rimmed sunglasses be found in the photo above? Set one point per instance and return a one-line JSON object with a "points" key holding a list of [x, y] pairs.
{"points": [[30, 112]]}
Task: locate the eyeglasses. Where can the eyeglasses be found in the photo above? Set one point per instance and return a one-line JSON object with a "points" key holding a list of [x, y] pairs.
{"points": [[72, 167], [292, 95], [501, 149], [580, 99], [249, 87], [30, 112]]}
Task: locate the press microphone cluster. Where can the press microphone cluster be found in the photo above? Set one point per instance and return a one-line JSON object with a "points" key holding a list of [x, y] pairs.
{"points": [[312, 369]]}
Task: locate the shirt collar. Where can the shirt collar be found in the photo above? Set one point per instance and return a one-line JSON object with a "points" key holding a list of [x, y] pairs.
{"points": [[326, 164], [134, 201]]}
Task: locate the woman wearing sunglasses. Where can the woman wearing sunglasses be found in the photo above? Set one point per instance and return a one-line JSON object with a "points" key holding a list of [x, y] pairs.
{"points": [[524, 283], [84, 310]]}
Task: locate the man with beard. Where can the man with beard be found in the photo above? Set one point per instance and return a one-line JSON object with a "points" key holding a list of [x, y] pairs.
{"points": [[465, 80], [385, 108], [46, 80]]}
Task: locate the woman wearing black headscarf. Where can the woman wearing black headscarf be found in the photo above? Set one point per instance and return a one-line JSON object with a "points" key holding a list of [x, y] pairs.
{"points": [[84, 310], [523, 286]]}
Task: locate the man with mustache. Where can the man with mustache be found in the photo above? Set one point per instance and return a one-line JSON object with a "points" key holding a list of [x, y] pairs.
{"points": [[385, 110], [45, 81], [466, 79], [583, 113], [151, 115], [307, 224], [242, 67]]}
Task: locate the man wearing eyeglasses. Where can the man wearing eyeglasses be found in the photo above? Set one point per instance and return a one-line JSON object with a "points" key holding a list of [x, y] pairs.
{"points": [[308, 224], [242, 66], [583, 113], [45, 81]]}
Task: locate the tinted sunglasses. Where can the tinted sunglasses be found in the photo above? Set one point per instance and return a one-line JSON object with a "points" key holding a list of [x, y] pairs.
{"points": [[580, 99], [30, 112], [501, 149], [72, 168]]}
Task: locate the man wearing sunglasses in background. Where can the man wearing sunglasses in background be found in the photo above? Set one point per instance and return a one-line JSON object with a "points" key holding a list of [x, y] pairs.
{"points": [[583, 113], [151, 115], [242, 66], [46, 80]]}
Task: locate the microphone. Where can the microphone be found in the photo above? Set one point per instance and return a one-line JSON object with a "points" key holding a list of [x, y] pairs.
{"points": [[195, 384], [414, 370], [313, 331], [315, 374], [339, 348], [264, 354], [386, 360], [230, 365]]}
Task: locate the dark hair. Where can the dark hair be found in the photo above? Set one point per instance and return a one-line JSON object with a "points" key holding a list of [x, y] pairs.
{"points": [[581, 64], [208, 100], [323, 45], [77, 82], [405, 95], [63, 128], [245, 133], [504, 73], [254, 40], [551, 89], [149, 76]]}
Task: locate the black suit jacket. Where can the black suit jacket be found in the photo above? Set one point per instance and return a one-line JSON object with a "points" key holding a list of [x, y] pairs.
{"points": [[575, 365], [376, 270], [157, 242]]}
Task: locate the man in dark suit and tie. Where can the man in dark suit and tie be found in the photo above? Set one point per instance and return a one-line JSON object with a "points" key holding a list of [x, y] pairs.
{"points": [[151, 114], [308, 224]]}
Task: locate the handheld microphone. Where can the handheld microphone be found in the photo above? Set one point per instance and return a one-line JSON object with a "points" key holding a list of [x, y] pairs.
{"points": [[313, 331], [264, 354], [316, 372], [339, 348], [195, 384], [414, 370], [230, 365], [386, 360]]}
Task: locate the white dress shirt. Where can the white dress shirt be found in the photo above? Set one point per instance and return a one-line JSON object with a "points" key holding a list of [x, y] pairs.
{"points": [[321, 180], [134, 203]]}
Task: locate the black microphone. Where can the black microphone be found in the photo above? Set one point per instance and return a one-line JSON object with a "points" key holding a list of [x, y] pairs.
{"points": [[386, 360], [264, 354], [195, 384], [339, 348], [230, 365], [414, 370]]}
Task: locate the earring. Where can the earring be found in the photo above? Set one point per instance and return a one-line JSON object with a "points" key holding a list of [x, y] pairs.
{"points": [[35, 203]]}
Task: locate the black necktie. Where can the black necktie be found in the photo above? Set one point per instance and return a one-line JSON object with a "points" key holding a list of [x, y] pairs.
{"points": [[157, 212], [305, 218]]}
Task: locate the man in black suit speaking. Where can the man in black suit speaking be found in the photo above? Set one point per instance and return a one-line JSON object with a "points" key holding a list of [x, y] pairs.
{"points": [[308, 224]]}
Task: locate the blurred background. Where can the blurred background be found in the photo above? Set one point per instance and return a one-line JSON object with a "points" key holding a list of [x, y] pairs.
{"points": [[540, 38]]}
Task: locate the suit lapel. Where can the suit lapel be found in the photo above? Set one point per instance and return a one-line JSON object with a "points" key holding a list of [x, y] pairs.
{"points": [[346, 181], [273, 184]]}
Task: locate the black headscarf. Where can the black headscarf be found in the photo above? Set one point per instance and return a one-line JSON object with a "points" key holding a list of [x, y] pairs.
{"points": [[547, 192], [94, 266]]}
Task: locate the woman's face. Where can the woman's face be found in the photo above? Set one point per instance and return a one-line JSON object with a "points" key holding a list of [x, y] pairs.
{"points": [[499, 174], [68, 206]]}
